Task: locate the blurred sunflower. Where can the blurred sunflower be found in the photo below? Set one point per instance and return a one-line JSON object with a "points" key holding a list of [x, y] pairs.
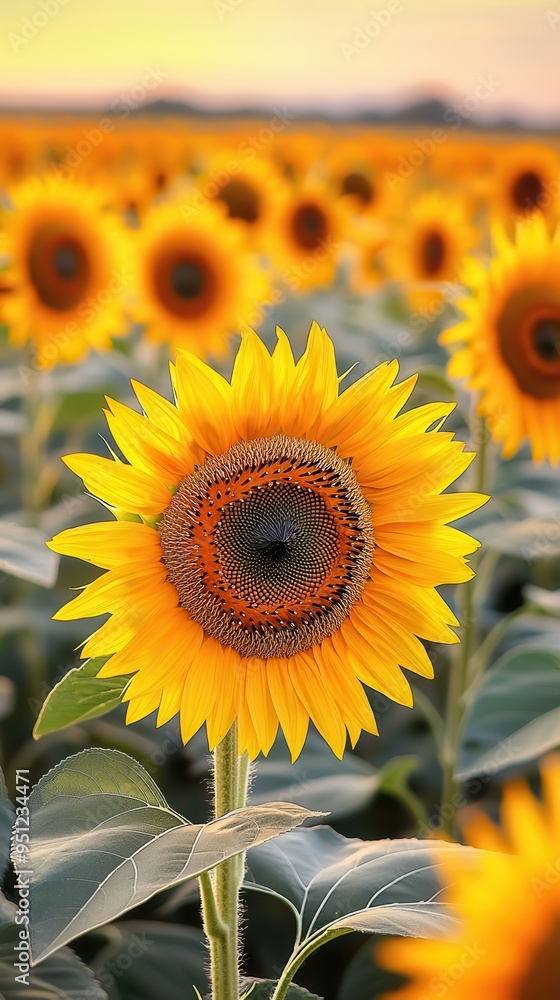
{"points": [[526, 181], [508, 348], [429, 246], [282, 544], [507, 946], [305, 237], [247, 188], [197, 281], [68, 270], [353, 177]]}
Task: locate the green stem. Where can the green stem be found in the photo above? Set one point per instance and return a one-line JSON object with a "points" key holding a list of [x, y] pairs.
{"points": [[220, 892], [297, 960]]}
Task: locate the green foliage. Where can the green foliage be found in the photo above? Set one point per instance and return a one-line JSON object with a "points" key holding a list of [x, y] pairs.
{"points": [[514, 715], [334, 885], [143, 959], [104, 840], [61, 977], [79, 696]]}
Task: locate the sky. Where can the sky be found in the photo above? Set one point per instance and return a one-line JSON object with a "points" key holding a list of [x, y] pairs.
{"points": [[343, 55]]}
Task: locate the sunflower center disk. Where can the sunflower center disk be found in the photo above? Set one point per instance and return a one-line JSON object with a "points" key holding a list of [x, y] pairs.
{"points": [[269, 545], [527, 191], [433, 253], [58, 266], [242, 201], [309, 226], [358, 185]]}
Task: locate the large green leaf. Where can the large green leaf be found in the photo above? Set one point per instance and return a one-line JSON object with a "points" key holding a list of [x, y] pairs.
{"points": [[514, 715], [144, 959], [23, 553], [60, 977], [80, 695], [104, 840], [334, 885]]}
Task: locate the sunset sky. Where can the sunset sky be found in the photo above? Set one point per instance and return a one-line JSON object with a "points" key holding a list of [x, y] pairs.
{"points": [[302, 53]]}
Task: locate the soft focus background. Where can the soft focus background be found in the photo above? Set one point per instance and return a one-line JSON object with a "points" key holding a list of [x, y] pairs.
{"points": [[228, 162]]}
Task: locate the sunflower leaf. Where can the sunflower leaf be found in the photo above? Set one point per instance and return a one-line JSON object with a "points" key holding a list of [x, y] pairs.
{"points": [[514, 716], [334, 885], [80, 695], [104, 840], [61, 977]]}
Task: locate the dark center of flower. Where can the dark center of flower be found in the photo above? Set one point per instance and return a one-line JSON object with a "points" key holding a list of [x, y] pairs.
{"points": [[541, 978], [527, 191], [58, 266], [546, 338], [242, 201], [269, 545], [433, 253], [187, 279], [309, 226], [529, 337], [66, 261], [184, 282], [359, 185]]}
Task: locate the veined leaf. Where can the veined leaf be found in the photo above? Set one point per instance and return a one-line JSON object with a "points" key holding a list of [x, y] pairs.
{"points": [[104, 840], [80, 695], [334, 885]]}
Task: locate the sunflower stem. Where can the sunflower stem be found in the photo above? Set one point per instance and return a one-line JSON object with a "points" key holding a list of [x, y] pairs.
{"points": [[296, 961], [220, 892]]}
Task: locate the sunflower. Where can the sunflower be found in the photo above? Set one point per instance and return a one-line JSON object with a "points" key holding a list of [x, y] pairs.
{"points": [[68, 270], [429, 246], [508, 347], [282, 544], [247, 188], [507, 946], [197, 280], [353, 176], [526, 181], [306, 235]]}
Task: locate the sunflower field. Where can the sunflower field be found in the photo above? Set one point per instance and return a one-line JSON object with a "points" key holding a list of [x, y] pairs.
{"points": [[280, 560]]}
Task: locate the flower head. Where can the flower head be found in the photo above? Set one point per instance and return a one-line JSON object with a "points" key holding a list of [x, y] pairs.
{"points": [[282, 545], [507, 946], [508, 347], [68, 273]]}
